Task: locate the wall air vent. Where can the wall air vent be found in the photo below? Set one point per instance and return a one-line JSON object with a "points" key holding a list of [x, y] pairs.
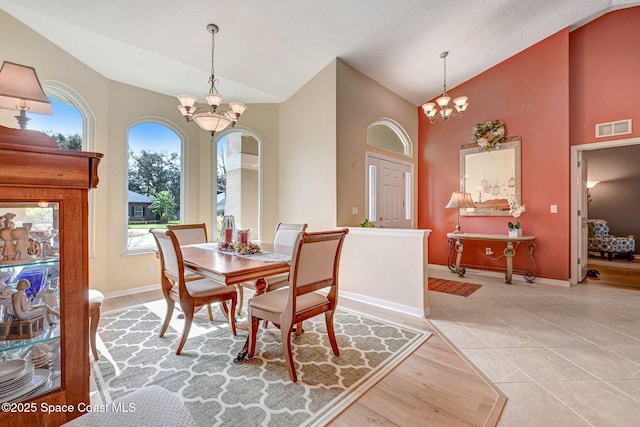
{"points": [[620, 127]]}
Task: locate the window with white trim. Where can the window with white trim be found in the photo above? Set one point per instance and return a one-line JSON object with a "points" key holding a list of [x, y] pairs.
{"points": [[154, 181]]}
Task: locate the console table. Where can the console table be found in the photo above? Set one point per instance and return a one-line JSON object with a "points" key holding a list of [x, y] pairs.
{"points": [[456, 242]]}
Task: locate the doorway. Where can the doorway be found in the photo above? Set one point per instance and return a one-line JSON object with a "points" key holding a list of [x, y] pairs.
{"points": [[389, 192], [579, 207]]}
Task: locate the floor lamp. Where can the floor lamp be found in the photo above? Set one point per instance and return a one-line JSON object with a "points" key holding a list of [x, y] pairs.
{"points": [[458, 201]]}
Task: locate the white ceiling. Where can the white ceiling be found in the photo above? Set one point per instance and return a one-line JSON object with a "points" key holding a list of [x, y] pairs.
{"points": [[267, 49]]}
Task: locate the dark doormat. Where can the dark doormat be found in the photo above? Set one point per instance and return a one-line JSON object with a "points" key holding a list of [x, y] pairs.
{"points": [[451, 287]]}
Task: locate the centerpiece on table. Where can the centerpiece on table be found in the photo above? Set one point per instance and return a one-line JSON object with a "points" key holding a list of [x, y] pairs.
{"points": [[515, 209], [247, 248], [489, 135]]}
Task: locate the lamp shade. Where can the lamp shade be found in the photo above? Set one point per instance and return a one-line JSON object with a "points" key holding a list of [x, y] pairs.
{"points": [[212, 122], [460, 200], [20, 89]]}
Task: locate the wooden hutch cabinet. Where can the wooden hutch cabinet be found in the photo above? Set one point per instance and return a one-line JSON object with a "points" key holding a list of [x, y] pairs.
{"points": [[45, 191]]}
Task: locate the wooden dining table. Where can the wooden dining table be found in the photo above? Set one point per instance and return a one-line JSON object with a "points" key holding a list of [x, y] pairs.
{"points": [[231, 269]]}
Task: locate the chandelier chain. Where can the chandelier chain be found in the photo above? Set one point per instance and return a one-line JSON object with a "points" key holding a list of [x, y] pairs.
{"points": [[444, 82], [212, 78]]}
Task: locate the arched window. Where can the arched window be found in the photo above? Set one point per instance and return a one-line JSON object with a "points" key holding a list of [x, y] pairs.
{"points": [[237, 179], [70, 124], [154, 180], [389, 135]]}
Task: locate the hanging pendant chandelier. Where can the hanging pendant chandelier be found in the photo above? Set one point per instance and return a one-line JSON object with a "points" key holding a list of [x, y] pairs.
{"points": [[210, 121], [460, 104]]}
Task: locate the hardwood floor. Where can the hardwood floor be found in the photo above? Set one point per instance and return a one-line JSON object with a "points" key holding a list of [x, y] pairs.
{"points": [[619, 272], [435, 386]]}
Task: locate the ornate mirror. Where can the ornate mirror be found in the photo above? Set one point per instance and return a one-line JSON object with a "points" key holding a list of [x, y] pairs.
{"points": [[491, 177]]}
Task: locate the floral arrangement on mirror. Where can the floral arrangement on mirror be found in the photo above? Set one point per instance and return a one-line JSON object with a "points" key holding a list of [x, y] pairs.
{"points": [[489, 135]]}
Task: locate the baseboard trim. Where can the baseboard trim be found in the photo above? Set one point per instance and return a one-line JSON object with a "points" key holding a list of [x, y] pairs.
{"points": [[443, 272], [131, 291], [405, 309]]}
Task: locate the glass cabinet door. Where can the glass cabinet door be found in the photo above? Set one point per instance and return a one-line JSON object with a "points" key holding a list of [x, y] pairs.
{"points": [[29, 300]]}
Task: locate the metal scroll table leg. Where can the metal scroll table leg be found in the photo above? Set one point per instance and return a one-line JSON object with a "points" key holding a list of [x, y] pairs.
{"points": [[459, 247], [509, 252], [455, 245], [529, 277], [450, 264]]}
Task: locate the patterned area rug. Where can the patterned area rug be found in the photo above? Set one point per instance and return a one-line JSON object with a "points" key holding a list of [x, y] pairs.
{"points": [[219, 392], [451, 287]]}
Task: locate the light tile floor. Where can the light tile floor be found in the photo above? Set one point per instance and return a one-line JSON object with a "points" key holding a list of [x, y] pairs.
{"points": [[563, 356]]}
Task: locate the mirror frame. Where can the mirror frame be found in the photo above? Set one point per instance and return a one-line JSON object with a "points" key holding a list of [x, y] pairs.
{"points": [[488, 159]]}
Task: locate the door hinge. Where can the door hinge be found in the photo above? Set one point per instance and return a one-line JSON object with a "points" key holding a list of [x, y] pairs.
{"points": [[579, 261], [579, 212]]}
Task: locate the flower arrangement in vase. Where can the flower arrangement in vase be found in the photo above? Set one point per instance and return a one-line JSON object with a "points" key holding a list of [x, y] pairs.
{"points": [[515, 209]]}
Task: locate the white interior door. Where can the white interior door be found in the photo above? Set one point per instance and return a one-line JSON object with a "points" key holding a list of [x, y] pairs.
{"points": [[583, 216], [390, 191]]}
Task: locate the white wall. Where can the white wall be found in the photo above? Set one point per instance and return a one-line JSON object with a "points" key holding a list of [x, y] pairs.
{"points": [[386, 267]]}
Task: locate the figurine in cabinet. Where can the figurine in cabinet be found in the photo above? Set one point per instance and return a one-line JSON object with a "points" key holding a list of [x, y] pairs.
{"points": [[5, 290], [7, 220], [5, 294], [9, 249], [21, 236], [22, 308]]}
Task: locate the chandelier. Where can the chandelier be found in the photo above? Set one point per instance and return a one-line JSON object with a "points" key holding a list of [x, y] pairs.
{"points": [[460, 104], [210, 121]]}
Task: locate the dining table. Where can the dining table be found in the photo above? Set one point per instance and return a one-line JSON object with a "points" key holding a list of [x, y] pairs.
{"points": [[231, 268]]}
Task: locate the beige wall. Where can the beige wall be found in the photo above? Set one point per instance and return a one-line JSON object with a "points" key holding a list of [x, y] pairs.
{"points": [[323, 145], [360, 102], [308, 153], [114, 107]]}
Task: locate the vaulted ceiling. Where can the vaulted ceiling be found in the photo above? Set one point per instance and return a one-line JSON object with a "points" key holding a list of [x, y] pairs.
{"points": [[266, 50]]}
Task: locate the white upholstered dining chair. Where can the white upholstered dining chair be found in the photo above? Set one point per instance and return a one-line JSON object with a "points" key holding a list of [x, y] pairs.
{"points": [[285, 235], [314, 267], [189, 294], [190, 234]]}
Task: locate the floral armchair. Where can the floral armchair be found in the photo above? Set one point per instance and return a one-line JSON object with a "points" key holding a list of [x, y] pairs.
{"points": [[601, 241]]}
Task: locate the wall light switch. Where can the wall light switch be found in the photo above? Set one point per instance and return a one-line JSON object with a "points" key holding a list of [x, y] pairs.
{"points": [[354, 211], [554, 208]]}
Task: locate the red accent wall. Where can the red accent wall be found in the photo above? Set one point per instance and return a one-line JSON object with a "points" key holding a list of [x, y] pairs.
{"points": [[530, 93], [605, 75]]}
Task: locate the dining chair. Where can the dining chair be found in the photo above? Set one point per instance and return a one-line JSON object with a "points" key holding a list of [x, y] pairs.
{"points": [[190, 234], [285, 235], [189, 294], [314, 267]]}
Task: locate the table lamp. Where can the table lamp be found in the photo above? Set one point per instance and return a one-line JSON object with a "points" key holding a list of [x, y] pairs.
{"points": [[20, 90], [458, 201]]}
